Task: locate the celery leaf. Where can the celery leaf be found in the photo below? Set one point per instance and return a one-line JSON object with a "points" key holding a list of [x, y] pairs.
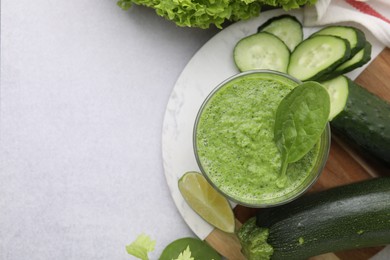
{"points": [[185, 255], [141, 247]]}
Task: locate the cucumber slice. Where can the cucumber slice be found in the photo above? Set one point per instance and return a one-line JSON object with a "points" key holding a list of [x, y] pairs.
{"points": [[285, 27], [317, 56], [338, 93], [360, 58], [261, 51], [354, 36]]}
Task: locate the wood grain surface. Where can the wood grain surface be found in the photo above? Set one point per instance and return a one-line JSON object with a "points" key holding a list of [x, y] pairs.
{"points": [[346, 164]]}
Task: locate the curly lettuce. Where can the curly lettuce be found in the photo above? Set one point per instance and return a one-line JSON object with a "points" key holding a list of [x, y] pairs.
{"points": [[203, 13]]}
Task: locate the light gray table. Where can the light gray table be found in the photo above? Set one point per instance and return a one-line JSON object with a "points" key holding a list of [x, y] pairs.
{"points": [[84, 86]]}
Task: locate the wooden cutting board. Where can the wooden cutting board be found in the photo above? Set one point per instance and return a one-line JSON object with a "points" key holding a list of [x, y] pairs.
{"points": [[346, 164]]}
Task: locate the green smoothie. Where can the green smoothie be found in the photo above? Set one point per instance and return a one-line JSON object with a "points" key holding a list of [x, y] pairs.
{"points": [[235, 146]]}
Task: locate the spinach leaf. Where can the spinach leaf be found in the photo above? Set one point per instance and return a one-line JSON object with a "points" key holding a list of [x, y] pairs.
{"points": [[301, 118]]}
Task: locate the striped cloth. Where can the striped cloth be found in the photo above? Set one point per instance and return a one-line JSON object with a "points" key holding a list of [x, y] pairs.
{"points": [[374, 15]]}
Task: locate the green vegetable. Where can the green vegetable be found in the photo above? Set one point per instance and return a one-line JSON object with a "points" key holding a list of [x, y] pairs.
{"points": [[286, 27], [261, 50], [202, 14], [181, 249], [343, 218], [199, 250], [364, 121], [356, 61], [317, 56], [141, 247], [300, 120], [185, 255], [354, 36], [253, 240], [338, 93]]}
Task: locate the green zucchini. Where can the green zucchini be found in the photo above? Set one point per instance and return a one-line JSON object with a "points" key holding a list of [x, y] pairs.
{"points": [[286, 27], [364, 120], [261, 51], [343, 218], [318, 56], [353, 35]]}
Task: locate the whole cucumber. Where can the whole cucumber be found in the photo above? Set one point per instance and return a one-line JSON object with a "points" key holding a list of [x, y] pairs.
{"points": [[365, 121]]}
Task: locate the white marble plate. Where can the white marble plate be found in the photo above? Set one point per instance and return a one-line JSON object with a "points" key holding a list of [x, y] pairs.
{"points": [[209, 66]]}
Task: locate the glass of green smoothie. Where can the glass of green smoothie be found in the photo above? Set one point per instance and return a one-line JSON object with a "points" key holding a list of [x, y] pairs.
{"points": [[234, 141]]}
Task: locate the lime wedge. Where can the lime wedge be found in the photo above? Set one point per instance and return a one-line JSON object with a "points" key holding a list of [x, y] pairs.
{"points": [[212, 206]]}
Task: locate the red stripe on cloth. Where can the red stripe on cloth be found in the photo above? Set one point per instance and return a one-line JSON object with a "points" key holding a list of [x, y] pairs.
{"points": [[367, 9]]}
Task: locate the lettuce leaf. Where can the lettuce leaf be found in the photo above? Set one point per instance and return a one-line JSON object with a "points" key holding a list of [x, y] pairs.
{"points": [[203, 13]]}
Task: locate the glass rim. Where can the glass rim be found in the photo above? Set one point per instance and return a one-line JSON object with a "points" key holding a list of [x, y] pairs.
{"points": [[306, 184]]}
